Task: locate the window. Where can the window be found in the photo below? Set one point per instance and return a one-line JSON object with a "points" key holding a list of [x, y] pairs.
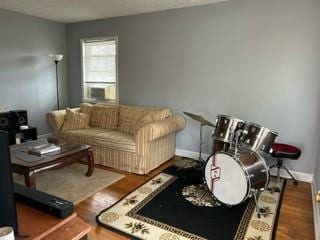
{"points": [[99, 70]]}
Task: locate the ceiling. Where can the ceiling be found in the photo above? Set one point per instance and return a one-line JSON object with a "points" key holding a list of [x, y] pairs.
{"points": [[68, 11]]}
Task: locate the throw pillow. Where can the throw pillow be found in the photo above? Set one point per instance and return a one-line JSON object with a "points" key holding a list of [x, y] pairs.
{"points": [[104, 116], [75, 120]]}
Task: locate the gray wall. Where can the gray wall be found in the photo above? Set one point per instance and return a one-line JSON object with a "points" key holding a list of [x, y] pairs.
{"points": [[27, 75], [255, 59]]}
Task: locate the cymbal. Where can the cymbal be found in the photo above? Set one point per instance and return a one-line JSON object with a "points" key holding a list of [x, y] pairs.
{"points": [[199, 118]]}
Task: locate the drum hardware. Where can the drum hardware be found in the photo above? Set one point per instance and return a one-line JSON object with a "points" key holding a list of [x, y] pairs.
{"points": [[203, 122], [200, 119], [238, 135], [255, 192]]}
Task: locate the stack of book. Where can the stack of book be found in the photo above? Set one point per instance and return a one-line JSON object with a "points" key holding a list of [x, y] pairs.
{"points": [[44, 149]]}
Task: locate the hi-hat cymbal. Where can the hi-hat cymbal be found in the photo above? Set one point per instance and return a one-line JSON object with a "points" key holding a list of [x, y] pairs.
{"points": [[199, 118]]}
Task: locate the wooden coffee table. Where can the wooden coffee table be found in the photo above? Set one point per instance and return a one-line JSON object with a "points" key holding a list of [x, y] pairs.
{"points": [[27, 164]]}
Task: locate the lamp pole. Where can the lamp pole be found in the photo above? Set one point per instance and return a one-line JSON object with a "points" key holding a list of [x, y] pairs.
{"points": [[57, 84], [57, 58]]}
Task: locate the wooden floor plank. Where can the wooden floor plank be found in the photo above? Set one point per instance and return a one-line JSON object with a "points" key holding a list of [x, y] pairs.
{"points": [[295, 219]]}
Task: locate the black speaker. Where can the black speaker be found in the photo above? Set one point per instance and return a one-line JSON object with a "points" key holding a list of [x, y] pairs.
{"points": [[6, 121], [8, 212], [19, 118]]}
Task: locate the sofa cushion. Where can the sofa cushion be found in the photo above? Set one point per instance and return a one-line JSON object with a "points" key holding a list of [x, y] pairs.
{"points": [[104, 116], [160, 113], [116, 140], [142, 122], [86, 108], [129, 117], [85, 136], [75, 120]]}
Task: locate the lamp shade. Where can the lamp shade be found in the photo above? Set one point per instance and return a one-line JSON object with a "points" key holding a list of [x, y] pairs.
{"points": [[56, 57]]}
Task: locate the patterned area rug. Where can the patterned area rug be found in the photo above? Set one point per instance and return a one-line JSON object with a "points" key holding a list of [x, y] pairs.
{"points": [[158, 210], [70, 182]]}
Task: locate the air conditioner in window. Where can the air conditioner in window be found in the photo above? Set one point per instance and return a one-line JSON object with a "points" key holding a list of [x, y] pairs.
{"points": [[102, 93]]}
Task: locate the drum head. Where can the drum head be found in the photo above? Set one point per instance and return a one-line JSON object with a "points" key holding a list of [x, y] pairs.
{"points": [[226, 179]]}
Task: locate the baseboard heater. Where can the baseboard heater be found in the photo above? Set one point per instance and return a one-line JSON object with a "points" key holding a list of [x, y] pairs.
{"points": [[42, 201]]}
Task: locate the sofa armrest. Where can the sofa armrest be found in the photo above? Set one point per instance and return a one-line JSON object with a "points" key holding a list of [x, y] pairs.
{"points": [[56, 119], [161, 128]]}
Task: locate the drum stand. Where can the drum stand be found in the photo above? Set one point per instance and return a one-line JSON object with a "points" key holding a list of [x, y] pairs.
{"points": [[201, 142], [255, 193]]}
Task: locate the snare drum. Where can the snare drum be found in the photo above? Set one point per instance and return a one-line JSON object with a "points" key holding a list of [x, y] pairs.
{"points": [[226, 127], [259, 138], [231, 179]]}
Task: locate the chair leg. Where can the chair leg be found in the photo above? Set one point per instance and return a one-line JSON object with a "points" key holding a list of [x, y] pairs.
{"points": [[295, 181], [276, 185]]}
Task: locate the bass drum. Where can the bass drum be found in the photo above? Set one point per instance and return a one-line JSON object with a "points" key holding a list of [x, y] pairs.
{"points": [[231, 179]]}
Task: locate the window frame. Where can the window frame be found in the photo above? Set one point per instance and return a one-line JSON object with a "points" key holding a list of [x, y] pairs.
{"points": [[99, 39]]}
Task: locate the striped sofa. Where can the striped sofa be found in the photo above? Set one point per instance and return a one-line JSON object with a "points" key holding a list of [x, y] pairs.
{"points": [[130, 138]]}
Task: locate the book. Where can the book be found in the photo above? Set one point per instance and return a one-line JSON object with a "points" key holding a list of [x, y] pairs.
{"points": [[44, 149]]}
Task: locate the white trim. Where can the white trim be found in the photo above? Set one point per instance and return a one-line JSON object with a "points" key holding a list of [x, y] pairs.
{"points": [[190, 154], [116, 39], [316, 210], [300, 176], [304, 177]]}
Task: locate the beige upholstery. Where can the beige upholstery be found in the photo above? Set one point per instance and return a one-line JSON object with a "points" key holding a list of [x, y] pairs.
{"points": [[75, 120], [104, 117], [86, 136], [134, 147], [116, 140]]}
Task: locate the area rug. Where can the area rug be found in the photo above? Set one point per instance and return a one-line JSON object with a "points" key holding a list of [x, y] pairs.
{"points": [[70, 182], [158, 210]]}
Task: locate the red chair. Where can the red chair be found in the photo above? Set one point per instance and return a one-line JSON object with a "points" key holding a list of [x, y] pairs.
{"points": [[284, 151]]}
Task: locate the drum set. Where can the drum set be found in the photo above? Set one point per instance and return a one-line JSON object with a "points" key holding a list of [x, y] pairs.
{"points": [[237, 169]]}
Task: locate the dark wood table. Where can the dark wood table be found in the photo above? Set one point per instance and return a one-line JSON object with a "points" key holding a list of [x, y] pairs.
{"points": [[27, 164]]}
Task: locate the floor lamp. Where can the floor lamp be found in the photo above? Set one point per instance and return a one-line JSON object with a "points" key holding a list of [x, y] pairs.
{"points": [[57, 58]]}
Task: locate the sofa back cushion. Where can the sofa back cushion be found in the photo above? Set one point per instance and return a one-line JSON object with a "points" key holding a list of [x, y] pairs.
{"points": [[160, 113], [104, 116], [147, 119], [75, 120], [86, 108], [131, 118]]}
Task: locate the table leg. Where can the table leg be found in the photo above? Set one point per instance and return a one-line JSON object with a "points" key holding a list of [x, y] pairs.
{"points": [[90, 164], [30, 181]]}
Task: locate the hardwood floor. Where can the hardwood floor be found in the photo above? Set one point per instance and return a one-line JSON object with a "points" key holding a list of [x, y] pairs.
{"points": [[295, 221]]}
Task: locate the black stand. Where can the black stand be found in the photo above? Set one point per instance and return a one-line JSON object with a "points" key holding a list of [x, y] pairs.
{"points": [[57, 84], [26, 134]]}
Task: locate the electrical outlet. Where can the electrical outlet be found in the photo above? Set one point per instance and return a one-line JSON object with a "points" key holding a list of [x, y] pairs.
{"points": [[318, 197]]}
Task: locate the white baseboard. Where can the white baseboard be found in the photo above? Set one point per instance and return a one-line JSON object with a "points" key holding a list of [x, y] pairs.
{"points": [[300, 176], [190, 154], [304, 177], [316, 210]]}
